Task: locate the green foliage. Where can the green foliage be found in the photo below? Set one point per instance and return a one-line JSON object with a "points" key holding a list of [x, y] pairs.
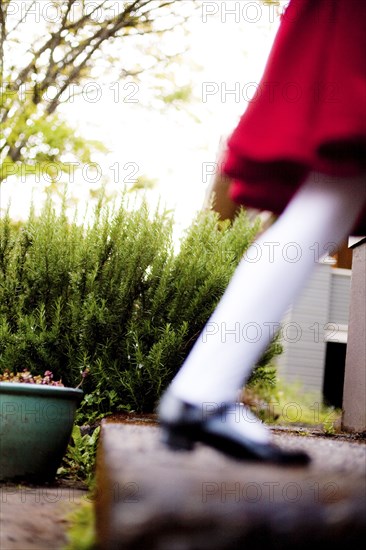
{"points": [[45, 66], [113, 298], [100, 403], [290, 404], [180, 96], [81, 534], [328, 426], [294, 405], [264, 376], [78, 462]]}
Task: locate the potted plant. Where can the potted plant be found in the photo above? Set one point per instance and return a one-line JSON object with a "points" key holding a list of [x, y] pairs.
{"points": [[36, 420]]}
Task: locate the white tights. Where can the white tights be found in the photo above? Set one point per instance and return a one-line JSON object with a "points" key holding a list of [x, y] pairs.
{"points": [[266, 282]]}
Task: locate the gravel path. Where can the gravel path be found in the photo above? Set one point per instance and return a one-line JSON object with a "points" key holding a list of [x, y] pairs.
{"points": [[336, 454]]}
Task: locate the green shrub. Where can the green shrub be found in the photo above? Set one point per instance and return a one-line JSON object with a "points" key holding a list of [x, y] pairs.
{"points": [[81, 533], [79, 460], [113, 297]]}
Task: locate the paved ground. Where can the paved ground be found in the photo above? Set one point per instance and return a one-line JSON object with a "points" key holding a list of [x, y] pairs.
{"points": [[36, 518], [151, 498], [199, 500]]}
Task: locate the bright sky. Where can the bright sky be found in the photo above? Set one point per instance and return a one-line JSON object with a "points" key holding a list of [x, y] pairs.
{"points": [[229, 44]]}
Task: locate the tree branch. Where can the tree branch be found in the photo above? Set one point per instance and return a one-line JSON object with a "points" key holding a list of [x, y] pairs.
{"points": [[80, 23], [70, 3], [23, 18], [104, 34], [2, 40], [135, 18]]}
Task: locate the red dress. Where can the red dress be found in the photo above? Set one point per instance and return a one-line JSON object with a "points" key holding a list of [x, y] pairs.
{"points": [[309, 111]]}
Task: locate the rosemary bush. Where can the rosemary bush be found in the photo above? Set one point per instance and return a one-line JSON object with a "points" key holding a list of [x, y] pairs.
{"points": [[112, 297]]}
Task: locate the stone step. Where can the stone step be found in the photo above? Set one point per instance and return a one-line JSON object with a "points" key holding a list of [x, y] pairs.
{"points": [[154, 499]]}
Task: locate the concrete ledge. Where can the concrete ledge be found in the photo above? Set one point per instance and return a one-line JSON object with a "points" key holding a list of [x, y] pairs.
{"points": [[150, 498], [354, 393]]}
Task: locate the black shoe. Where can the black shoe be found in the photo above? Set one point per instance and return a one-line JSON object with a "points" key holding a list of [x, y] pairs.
{"points": [[184, 425]]}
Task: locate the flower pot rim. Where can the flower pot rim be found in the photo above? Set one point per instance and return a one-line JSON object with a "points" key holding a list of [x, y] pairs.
{"points": [[40, 389]]}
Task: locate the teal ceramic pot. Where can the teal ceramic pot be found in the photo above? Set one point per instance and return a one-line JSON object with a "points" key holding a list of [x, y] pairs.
{"points": [[36, 422]]}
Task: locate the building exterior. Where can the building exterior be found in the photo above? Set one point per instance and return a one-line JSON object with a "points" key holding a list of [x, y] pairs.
{"points": [[314, 333]]}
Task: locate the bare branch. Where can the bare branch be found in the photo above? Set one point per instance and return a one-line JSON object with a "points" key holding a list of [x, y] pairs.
{"points": [[2, 39], [23, 18], [87, 17], [22, 76], [160, 6], [103, 35], [15, 152], [70, 3], [78, 41]]}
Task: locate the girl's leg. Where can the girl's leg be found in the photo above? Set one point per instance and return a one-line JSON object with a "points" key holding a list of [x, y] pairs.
{"points": [[266, 282]]}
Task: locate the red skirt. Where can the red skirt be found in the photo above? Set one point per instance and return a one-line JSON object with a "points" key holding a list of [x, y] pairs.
{"points": [[309, 111]]}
